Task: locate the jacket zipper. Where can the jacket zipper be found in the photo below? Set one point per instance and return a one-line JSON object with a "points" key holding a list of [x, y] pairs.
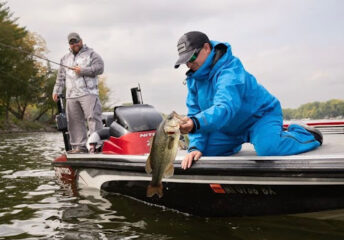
{"points": [[82, 76]]}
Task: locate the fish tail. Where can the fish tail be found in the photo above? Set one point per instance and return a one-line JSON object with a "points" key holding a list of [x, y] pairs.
{"points": [[152, 190]]}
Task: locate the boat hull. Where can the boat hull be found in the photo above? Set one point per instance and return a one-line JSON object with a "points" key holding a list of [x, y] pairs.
{"points": [[236, 199], [241, 186]]}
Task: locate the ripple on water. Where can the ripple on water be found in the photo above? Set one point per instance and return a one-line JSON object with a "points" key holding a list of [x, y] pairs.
{"points": [[44, 189], [8, 230], [34, 227], [7, 172], [32, 173]]}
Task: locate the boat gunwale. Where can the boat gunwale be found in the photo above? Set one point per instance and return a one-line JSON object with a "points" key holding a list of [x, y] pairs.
{"points": [[215, 159], [239, 167]]}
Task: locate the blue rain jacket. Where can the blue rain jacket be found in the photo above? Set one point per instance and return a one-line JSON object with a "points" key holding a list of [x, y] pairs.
{"points": [[224, 98]]}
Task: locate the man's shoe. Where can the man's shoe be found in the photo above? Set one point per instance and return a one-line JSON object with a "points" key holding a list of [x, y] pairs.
{"points": [[315, 132], [77, 150]]}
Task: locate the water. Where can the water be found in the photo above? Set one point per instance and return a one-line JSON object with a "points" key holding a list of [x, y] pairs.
{"points": [[34, 206]]}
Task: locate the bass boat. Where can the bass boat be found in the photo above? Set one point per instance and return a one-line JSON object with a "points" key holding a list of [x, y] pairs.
{"points": [[240, 185]]}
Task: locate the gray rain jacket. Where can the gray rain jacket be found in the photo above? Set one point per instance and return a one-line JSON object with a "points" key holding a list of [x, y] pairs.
{"points": [[87, 82]]}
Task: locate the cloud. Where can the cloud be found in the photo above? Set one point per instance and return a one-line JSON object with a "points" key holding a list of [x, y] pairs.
{"points": [[294, 48]]}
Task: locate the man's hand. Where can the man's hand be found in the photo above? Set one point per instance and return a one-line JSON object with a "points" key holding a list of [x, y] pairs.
{"points": [[187, 161], [186, 125], [77, 69], [55, 97]]}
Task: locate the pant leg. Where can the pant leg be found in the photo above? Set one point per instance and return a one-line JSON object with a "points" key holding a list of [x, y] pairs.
{"points": [[76, 123], [221, 144], [269, 139], [93, 112]]}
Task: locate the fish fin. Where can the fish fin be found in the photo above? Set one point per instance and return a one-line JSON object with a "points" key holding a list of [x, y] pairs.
{"points": [[182, 145], [169, 171], [150, 142], [152, 190], [148, 165]]}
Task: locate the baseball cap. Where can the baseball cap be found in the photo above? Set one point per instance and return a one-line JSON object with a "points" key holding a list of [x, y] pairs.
{"points": [[73, 35], [188, 44]]}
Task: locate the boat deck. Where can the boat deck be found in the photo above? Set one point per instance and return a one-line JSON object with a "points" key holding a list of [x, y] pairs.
{"points": [[327, 159], [333, 144]]}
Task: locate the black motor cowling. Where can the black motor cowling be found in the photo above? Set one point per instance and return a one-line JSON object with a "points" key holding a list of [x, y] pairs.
{"points": [[133, 118], [137, 117]]}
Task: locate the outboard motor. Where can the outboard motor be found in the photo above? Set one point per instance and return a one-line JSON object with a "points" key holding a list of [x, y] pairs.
{"points": [[130, 130]]}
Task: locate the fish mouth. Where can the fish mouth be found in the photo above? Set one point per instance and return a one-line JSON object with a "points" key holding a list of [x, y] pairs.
{"points": [[171, 130]]}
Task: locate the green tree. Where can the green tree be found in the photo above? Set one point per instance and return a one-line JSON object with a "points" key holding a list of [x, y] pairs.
{"points": [[30, 77], [45, 103], [10, 34], [103, 91], [22, 76], [316, 110]]}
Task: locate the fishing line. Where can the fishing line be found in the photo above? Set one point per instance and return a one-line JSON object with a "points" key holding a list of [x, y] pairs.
{"points": [[34, 55]]}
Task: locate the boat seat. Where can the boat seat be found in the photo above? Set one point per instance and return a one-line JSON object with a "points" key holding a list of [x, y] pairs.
{"points": [[137, 117]]}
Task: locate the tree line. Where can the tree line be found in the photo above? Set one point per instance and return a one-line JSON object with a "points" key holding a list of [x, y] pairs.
{"points": [[26, 82], [316, 110]]}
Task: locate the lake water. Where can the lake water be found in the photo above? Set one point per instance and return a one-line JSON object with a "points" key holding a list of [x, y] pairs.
{"points": [[34, 206]]}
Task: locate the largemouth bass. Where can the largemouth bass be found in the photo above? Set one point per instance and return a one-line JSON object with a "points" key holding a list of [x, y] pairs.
{"points": [[163, 152]]}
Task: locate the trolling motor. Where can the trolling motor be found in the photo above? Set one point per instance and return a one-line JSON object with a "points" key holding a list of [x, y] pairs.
{"points": [[61, 122]]}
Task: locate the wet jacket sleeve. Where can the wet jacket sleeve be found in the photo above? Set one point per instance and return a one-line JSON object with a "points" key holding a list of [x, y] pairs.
{"points": [[60, 80], [96, 67], [197, 141], [229, 87]]}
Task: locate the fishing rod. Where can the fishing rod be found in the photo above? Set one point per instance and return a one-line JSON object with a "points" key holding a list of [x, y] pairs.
{"points": [[34, 55]]}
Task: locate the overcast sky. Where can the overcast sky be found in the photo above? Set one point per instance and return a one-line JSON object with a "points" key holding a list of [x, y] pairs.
{"points": [[294, 48]]}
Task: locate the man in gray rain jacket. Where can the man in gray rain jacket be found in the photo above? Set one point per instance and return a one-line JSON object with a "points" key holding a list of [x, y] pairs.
{"points": [[81, 81]]}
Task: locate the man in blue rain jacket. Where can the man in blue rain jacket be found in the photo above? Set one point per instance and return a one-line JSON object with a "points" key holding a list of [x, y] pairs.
{"points": [[228, 107]]}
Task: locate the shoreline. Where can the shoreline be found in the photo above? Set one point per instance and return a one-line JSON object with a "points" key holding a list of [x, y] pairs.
{"points": [[22, 127], [13, 131]]}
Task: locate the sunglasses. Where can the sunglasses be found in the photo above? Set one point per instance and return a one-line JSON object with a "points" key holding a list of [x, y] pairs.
{"points": [[73, 41], [194, 56]]}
